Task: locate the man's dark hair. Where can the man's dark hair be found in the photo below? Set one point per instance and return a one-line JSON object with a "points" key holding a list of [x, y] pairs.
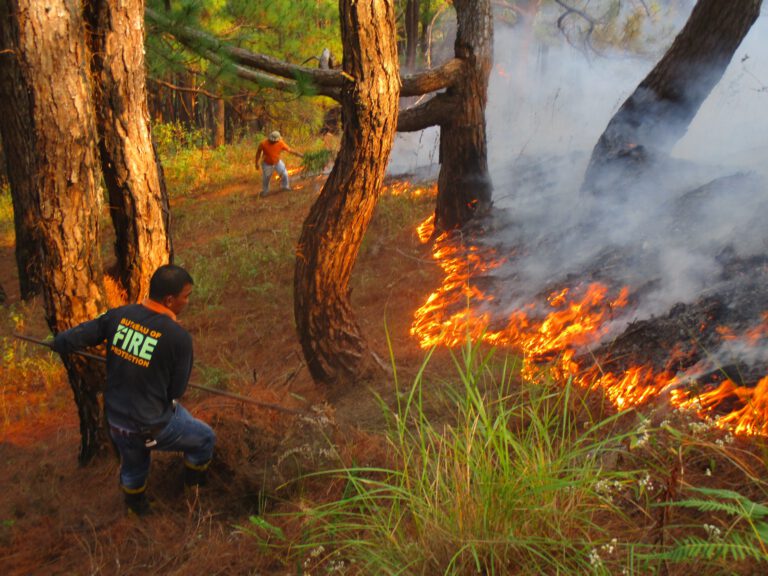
{"points": [[168, 280]]}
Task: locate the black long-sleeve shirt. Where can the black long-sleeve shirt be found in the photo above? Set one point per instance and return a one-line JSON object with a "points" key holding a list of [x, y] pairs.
{"points": [[149, 360]]}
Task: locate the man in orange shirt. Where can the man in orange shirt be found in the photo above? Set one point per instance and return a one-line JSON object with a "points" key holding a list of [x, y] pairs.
{"points": [[270, 149]]}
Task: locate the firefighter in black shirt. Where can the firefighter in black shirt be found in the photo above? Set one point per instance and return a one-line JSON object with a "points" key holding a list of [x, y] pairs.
{"points": [[149, 359]]}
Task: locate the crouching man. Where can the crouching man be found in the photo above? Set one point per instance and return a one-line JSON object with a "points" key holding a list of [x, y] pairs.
{"points": [[149, 360]]}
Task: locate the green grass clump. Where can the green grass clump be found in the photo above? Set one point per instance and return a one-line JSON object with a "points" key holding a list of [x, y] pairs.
{"points": [[192, 169], [511, 485]]}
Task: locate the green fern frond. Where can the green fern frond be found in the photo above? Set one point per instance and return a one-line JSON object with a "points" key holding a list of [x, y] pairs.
{"points": [[710, 506], [737, 547], [761, 528]]}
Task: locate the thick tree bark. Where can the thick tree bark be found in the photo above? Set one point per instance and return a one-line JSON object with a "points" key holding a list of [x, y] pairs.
{"points": [[16, 130], [658, 113], [464, 185], [52, 57], [333, 231], [128, 160]]}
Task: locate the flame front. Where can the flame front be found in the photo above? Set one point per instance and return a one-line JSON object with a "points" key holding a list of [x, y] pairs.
{"points": [[551, 335]]}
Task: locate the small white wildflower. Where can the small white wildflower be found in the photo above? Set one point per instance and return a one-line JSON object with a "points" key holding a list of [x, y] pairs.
{"points": [[643, 435], [606, 487], [698, 427], [335, 566], [317, 551], [720, 442], [594, 558], [728, 438], [713, 532], [645, 482], [708, 472], [610, 547]]}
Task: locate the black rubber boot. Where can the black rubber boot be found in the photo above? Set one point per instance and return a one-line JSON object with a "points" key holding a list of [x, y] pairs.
{"points": [[195, 475], [137, 501]]}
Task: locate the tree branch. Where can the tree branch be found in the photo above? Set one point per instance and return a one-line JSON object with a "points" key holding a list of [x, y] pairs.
{"points": [[586, 17], [433, 112], [432, 80], [248, 65], [176, 88], [271, 71]]}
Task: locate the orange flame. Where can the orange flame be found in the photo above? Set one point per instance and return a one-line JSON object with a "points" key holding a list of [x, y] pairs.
{"points": [[552, 334], [406, 188]]}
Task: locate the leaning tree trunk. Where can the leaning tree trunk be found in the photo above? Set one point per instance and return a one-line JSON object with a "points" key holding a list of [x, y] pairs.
{"points": [[658, 113], [333, 346], [464, 185], [15, 130], [52, 56], [128, 158]]}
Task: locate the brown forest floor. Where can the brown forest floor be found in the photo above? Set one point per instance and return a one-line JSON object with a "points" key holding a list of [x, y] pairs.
{"points": [[59, 518]]}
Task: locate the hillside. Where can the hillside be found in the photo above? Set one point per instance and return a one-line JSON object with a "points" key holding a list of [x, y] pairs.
{"points": [[611, 477], [59, 518]]}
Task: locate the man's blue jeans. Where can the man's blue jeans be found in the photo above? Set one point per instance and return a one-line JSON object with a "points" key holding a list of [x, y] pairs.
{"points": [[266, 175], [184, 433]]}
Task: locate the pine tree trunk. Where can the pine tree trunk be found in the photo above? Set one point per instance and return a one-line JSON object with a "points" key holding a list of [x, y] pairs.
{"points": [[16, 130], [658, 113], [411, 33], [464, 185], [128, 159], [52, 57], [333, 346], [219, 123]]}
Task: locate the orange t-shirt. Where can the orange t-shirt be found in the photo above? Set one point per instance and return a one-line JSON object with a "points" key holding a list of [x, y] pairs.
{"points": [[272, 150]]}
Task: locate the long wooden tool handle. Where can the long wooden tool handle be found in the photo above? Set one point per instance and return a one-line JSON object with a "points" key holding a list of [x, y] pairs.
{"points": [[240, 397]]}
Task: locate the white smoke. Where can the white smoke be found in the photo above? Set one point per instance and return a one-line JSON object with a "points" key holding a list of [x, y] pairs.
{"points": [[549, 103], [544, 117]]}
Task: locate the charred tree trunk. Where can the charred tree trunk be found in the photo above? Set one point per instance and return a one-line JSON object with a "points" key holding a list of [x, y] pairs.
{"points": [[128, 159], [464, 185], [52, 56], [16, 129], [333, 231], [658, 113]]}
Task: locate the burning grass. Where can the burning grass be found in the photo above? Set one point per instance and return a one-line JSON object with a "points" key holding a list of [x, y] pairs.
{"points": [[560, 335]]}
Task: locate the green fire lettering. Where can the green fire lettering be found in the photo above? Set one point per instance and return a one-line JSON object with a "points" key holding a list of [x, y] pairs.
{"points": [[136, 341], [148, 348]]}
